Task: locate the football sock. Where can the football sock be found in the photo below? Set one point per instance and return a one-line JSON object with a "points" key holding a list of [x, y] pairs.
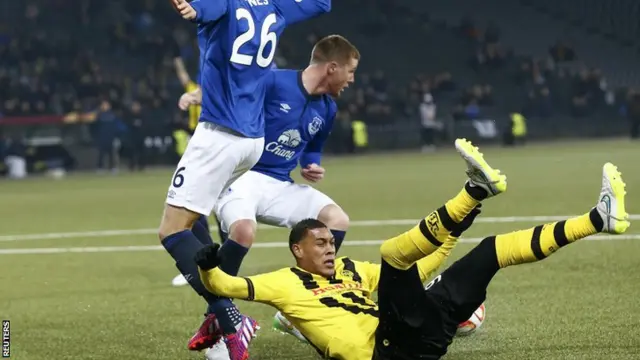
{"points": [[338, 235], [467, 199], [404, 250], [231, 255], [183, 246], [201, 230], [221, 233], [204, 222], [227, 314], [541, 241]]}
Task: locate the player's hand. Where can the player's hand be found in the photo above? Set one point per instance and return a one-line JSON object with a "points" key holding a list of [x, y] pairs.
{"points": [[466, 222], [207, 258], [313, 173], [188, 99], [184, 8]]}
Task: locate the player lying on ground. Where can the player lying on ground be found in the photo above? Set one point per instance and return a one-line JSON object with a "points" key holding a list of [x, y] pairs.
{"points": [[237, 41], [329, 299], [299, 116]]}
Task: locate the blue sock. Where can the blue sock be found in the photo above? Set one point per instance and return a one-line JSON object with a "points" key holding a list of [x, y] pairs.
{"points": [[338, 235], [204, 222], [226, 312], [232, 254], [201, 230], [183, 246], [223, 235]]}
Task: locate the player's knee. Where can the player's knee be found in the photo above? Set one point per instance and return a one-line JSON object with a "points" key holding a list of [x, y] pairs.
{"points": [[243, 232], [334, 217], [175, 220]]}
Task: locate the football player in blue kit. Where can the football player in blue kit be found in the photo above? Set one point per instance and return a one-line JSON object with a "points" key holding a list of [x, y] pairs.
{"points": [[237, 39], [299, 112]]}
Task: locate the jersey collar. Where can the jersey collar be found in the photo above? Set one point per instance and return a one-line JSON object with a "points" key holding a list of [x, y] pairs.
{"points": [[304, 90]]}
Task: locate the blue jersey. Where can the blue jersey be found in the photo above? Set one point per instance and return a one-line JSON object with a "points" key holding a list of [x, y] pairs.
{"points": [[297, 125], [238, 42]]}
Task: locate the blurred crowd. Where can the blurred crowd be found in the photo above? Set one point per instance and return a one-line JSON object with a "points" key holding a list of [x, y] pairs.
{"points": [[112, 64]]}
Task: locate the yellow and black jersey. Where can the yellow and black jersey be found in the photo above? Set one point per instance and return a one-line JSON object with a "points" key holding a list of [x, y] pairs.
{"points": [[337, 315]]}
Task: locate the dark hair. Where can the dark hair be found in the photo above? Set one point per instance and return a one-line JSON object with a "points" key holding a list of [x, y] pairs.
{"points": [[299, 230], [334, 48]]}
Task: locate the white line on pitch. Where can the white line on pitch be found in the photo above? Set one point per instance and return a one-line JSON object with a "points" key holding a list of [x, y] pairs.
{"points": [[103, 249], [357, 223]]}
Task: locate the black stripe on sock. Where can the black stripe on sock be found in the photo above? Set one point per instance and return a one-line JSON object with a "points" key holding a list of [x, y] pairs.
{"points": [[426, 233], [559, 235], [252, 291], [596, 219], [445, 219], [535, 243]]}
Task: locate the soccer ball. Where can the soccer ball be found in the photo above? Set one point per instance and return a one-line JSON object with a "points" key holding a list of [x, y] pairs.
{"points": [[475, 321]]}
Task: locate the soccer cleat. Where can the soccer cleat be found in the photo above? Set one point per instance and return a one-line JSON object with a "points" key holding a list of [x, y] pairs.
{"points": [[179, 280], [218, 351], [480, 173], [238, 343], [281, 324], [206, 336], [611, 201]]}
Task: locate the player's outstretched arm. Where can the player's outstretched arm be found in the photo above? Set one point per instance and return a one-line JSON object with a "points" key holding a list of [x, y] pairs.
{"points": [[217, 281], [265, 288]]}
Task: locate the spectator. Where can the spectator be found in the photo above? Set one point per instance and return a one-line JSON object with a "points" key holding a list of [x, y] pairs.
{"points": [[430, 125]]}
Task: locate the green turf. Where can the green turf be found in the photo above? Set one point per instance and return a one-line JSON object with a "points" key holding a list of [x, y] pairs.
{"points": [[579, 304]]}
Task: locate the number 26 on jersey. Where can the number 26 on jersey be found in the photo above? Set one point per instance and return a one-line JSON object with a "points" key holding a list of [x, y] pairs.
{"points": [[266, 37]]}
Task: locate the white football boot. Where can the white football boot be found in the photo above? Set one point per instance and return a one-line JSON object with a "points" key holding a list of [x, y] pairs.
{"points": [[480, 173], [611, 201]]}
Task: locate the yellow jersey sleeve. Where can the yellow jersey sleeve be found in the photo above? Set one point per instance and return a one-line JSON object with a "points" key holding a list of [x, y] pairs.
{"points": [[370, 274], [262, 288]]}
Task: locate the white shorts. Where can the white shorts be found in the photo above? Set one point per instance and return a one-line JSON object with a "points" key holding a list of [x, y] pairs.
{"points": [[215, 157], [261, 198]]}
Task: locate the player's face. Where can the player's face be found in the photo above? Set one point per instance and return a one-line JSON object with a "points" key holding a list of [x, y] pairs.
{"points": [[317, 252], [340, 76]]}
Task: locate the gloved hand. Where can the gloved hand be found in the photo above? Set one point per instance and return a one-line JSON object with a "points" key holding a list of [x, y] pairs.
{"points": [[466, 222], [207, 258]]}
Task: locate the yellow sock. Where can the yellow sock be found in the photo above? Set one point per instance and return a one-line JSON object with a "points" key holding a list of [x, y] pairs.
{"points": [[461, 205], [541, 241], [404, 250]]}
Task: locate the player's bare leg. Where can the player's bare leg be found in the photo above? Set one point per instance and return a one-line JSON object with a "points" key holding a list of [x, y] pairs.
{"points": [[243, 232], [234, 343], [176, 236], [336, 220]]}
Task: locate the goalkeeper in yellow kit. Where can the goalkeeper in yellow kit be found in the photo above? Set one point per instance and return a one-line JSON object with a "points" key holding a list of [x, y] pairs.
{"points": [[329, 301]]}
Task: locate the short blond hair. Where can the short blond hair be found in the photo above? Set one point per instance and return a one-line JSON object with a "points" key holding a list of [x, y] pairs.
{"points": [[334, 48]]}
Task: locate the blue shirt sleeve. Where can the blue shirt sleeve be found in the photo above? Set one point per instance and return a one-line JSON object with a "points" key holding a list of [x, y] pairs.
{"points": [[209, 10], [312, 153], [295, 11]]}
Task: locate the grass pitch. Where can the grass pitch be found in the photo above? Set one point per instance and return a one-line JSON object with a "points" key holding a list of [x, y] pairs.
{"points": [[581, 303]]}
